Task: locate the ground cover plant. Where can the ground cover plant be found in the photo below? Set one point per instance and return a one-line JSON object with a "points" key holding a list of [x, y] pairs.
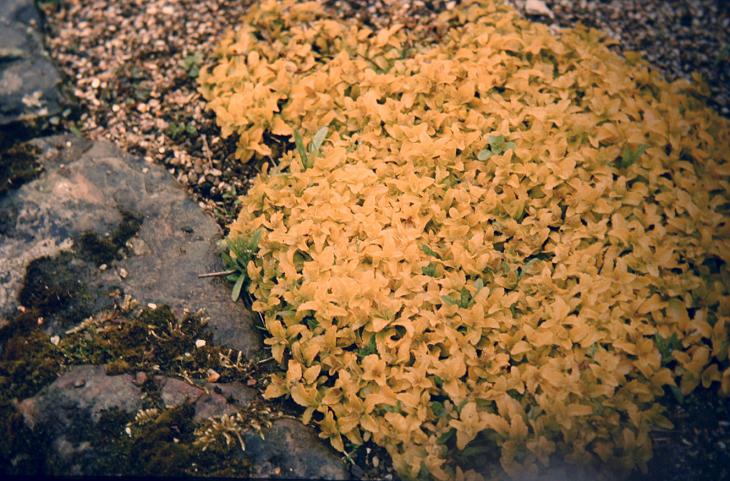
{"points": [[489, 241]]}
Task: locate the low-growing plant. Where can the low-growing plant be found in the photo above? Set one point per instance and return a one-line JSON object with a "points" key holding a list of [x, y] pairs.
{"points": [[512, 243], [239, 252]]}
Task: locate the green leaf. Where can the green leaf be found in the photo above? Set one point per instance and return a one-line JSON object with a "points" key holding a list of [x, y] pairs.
{"points": [[371, 348], [389, 408], [429, 251], [629, 156], [430, 270], [312, 323], [465, 299], [236, 292], [191, 64], [318, 139], [444, 438], [450, 300], [677, 394], [438, 408], [497, 145], [300, 148], [255, 238], [484, 154], [666, 346], [479, 284]]}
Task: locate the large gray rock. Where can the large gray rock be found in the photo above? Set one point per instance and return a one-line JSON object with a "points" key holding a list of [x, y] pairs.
{"points": [[89, 190], [290, 450], [20, 11], [29, 82], [213, 401], [65, 414], [82, 391]]}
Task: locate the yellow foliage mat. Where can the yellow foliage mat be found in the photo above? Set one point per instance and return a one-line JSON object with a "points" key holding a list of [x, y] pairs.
{"points": [[505, 236]]}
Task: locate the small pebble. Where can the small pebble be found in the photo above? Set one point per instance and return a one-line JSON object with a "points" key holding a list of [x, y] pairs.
{"points": [[152, 306], [200, 343], [55, 340], [123, 273], [213, 376]]}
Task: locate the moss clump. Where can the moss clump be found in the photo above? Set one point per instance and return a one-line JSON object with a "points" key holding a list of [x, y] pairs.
{"points": [[104, 249], [150, 340], [18, 165], [60, 290], [164, 445], [28, 360], [52, 284], [22, 451], [151, 337]]}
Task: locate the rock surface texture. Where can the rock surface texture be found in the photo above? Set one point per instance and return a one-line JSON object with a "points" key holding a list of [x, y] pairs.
{"points": [[90, 197], [29, 82]]}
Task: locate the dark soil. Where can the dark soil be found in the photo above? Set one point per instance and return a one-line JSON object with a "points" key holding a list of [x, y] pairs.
{"points": [[698, 448]]}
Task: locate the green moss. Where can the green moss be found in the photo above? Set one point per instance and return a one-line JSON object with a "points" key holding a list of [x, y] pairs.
{"points": [[28, 360], [104, 249], [149, 340], [18, 165], [164, 445], [154, 337], [22, 452], [51, 283], [57, 288]]}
